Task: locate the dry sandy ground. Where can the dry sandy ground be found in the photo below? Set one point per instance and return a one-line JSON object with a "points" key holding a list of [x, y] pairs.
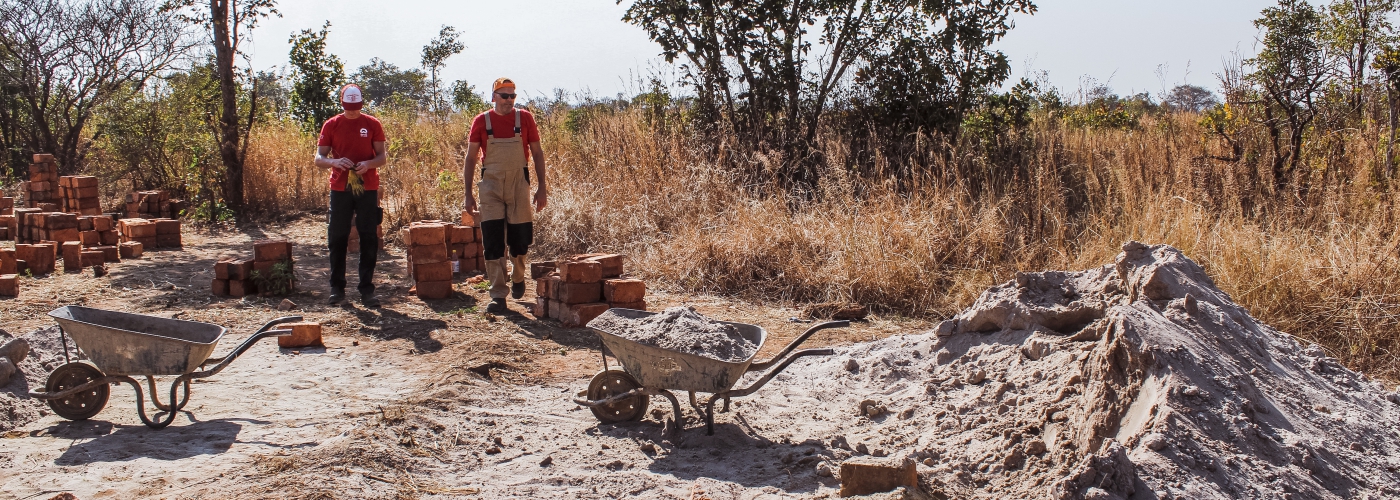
{"points": [[435, 382]]}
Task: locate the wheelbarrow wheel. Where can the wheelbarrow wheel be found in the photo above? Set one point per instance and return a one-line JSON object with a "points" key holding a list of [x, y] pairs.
{"points": [[610, 383], [83, 405]]}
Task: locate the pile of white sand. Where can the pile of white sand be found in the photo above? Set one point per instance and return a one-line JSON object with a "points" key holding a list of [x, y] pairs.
{"points": [[681, 329], [1134, 380]]}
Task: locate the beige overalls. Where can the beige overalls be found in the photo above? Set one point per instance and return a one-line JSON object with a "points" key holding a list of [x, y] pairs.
{"points": [[504, 193]]}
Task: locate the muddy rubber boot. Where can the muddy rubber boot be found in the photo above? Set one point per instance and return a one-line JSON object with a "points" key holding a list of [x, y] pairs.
{"points": [[517, 289], [497, 306], [336, 297]]}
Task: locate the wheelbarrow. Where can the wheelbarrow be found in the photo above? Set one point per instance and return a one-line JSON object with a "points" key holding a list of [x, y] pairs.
{"points": [[622, 395], [122, 345]]}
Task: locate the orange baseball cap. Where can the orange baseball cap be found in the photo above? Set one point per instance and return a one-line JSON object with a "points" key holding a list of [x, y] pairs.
{"points": [[501, 82]]}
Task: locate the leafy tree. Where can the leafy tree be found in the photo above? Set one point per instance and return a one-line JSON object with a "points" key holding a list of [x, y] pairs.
{"points": [[60, 60], [1355, 29], [1191, 98], [435, 54], [229, 21], [273, 96], [1291, 70], [380, 81], [466, 99], [1387, 62], [754, 74], [316, 79]]}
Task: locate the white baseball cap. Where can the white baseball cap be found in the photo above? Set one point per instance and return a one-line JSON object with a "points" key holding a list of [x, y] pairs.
{"points": [[350, 97]]}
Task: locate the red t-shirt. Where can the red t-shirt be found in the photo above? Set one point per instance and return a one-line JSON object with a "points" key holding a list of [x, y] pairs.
{"points": [[353, 140], [503, 127]]}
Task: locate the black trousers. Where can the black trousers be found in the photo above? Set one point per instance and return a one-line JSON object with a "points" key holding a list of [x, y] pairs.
{"points": [[364, 210], [497, 234]]}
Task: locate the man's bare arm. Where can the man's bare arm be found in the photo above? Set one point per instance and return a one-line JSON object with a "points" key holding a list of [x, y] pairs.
{"points": [[323, 159], [542, 192], [469, 173], [381, 156]]}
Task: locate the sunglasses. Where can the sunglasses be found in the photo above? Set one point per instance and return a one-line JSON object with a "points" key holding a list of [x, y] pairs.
{"points": [[505, 95]]}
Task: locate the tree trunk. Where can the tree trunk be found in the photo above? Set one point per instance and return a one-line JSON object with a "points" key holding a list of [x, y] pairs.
{"points": [[228, 116]]}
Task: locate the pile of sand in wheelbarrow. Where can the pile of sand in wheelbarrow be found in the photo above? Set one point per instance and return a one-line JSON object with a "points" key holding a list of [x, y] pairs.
{"points": [[680, 329], [1139, 379]]}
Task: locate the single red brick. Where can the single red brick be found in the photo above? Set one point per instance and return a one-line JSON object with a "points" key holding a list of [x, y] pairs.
{"points": [[242, 288], [102, 223], [84, 192], [460, 234], [541, 309], [612, 264], [72, 256], [580, 271], [63, 235], [303, 335], [83, 181], [579, 293], [428, 234], [43, 158], [429, 254], [272, 250], [581, 314], [43, 258], [545, 286], [167, 226], [89, 238], [9, 285], [219, 287], [624, 290], [7, 261], [221, 269], [437, 271], [541, 269], [471, 218], [85, 223], [131, 250], [640, 305], [93, 258], [263, 268], [434, 289], [141, 229], [557, 310], [109, 253]]}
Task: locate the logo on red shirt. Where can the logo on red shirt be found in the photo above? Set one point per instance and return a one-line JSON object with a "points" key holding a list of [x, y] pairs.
{"points": [[364, 132]]}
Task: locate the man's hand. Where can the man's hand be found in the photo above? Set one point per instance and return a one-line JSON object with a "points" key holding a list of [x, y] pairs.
{"points": [[362, 168], [470, 206], [343, 164], [541, 200]]}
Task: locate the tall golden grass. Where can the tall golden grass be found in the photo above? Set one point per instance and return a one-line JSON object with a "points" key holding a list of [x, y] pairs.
{"points": [[1318, 266]]}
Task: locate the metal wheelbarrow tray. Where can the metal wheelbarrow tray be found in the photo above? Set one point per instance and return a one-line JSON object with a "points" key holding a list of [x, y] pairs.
{"points": [[121, 345], [622, 395]]}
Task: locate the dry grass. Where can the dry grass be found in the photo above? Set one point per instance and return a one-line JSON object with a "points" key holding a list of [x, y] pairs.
{"points": [[1317, 265]]}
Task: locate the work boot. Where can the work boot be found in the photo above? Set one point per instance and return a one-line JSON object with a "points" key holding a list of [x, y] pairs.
{"points": [[497, 306], [517, 289], [337, 295], [369, 300]]}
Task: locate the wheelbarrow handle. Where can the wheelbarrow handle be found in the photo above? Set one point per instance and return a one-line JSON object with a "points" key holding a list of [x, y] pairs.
{"points": [[763, 365], [237, 351], [278, 321]]}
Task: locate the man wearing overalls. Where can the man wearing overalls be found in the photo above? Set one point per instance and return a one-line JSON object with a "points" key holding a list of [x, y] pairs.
{"points": [[502, 135]]}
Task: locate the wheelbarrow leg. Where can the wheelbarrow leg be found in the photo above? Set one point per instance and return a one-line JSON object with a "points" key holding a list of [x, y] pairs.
{"points": [[155, 398], [676, 418], [141, 403]]}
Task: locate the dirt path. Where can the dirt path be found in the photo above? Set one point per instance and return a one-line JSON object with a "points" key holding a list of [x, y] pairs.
{"points": [[373, 394]]}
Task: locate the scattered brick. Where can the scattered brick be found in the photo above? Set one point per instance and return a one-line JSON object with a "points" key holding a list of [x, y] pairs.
{"points": [[580, 314], [434, 289], [242, 288], [580, 271], [72, 256], [219, 287], [864, 476], [109, 253], [579, 293], [541, 308], [272, 250], [131, 250], [93, 258], [303, 335]]}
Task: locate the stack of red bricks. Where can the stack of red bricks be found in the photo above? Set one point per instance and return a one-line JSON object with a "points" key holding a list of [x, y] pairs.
{"points": [[582, 287], [41, 189], [156, 204], [428, 259], [234, 277], [9, 273], [466, 247], [152, 234], [79, 195], [7, 218], [98, 230], [50, 226]]}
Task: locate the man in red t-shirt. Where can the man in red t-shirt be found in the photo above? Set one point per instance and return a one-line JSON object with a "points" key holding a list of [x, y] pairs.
{"points": [[503, 137], [351, 146]]}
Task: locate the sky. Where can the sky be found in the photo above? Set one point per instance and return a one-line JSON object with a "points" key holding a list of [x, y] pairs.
{"points": [[583, 46]]}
